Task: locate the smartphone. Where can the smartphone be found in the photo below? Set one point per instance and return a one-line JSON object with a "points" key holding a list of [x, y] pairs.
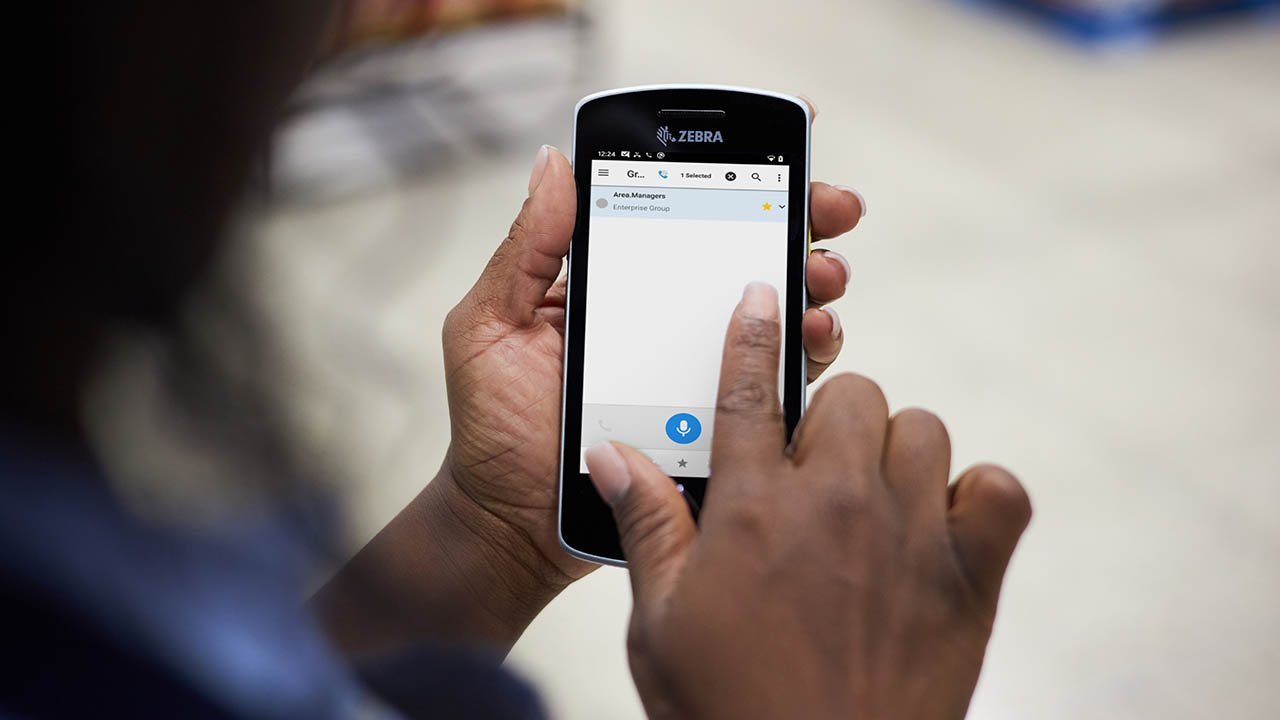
{"points": [[685, 194]]}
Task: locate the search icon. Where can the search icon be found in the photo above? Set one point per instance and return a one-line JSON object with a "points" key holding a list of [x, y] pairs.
{"points": [[755, 176]]}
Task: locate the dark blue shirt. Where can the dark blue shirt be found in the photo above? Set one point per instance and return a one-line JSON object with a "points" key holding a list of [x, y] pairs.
{"points": [[108, 615]]}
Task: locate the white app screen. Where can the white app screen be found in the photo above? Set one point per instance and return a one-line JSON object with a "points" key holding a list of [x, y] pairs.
{"points": [[671, 247]]}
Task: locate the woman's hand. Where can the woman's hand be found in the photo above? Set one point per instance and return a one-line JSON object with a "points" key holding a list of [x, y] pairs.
{"points": [[835, 576], [476, 554], [504, 354]]}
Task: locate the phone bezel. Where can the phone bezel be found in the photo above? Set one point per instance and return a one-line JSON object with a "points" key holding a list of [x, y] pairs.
{"points": [[775, 122]]}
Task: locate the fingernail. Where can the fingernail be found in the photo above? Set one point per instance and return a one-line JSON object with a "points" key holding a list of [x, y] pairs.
{"points": [[835, 321], [848, 269], [539, 167], [609, 472], [760, 300], [862, 202]]}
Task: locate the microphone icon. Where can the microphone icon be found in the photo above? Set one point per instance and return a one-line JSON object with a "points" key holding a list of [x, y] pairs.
{"points": [[683, 428]]}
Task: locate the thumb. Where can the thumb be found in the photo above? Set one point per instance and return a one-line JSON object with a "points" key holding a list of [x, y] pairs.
{"points": [[653, 520], [529, 259]]}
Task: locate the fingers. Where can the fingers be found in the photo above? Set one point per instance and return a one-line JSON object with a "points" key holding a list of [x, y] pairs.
{"points": [[653, 520], [847, 420], [834, 209], [515, 282], [552, 308], [813, 109], [827, 274], [749, 426], [988, 511], [558, 293], [917, 460], [823, 339]]}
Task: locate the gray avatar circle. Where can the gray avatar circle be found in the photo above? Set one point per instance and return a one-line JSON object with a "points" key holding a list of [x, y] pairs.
{"points": [[602, 203]]}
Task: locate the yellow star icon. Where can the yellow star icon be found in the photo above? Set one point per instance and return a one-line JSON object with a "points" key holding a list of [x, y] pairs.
{"points": [[766, 206]]}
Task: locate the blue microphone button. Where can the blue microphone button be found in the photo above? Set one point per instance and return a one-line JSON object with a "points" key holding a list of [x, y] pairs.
{"points": [[683, 428]]}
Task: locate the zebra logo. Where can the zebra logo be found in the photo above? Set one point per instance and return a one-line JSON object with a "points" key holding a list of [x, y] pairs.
{"points": [[665, 136]]}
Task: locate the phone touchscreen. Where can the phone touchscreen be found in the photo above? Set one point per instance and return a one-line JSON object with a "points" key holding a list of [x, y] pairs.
{"points": [[672, 243]]}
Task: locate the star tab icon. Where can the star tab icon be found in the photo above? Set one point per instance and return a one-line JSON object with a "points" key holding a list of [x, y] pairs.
{"points": [[766, 206]]}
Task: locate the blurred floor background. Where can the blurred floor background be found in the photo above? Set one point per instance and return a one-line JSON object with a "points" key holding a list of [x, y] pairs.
{"points": [[1072, 255]]}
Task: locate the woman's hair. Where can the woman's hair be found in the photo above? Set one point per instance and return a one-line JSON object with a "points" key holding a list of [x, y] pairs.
{"points": [[140, 129]]}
